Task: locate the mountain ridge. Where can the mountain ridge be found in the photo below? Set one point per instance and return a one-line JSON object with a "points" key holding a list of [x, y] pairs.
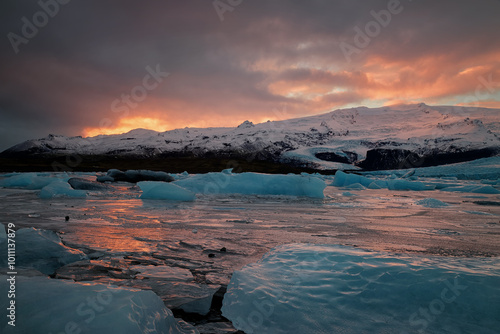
{"points": [[340, 139]]}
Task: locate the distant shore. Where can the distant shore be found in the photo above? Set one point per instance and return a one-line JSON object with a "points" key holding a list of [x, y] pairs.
{"points": [[174, 164]]}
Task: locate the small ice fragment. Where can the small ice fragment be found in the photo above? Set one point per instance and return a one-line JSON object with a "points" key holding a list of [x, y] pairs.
{"points": [[431, 203]]}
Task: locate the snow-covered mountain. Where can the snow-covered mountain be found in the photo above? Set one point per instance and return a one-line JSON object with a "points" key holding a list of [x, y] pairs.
{"points": [[400, 136]]}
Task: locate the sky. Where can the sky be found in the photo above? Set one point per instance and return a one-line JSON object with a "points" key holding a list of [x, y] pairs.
{"points": [[75, 67]]}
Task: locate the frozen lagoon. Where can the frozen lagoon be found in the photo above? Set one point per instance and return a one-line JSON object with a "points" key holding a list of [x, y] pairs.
{"points": [[134, 242]]}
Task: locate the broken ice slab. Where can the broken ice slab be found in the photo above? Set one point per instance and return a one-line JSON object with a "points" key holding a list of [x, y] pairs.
{"points": [[309, 288], [54, 306], [41, 250], [188, 296]]}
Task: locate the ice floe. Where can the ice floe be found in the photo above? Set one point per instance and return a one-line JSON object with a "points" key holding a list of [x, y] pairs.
{"points": [[227, 182], [60, 306], [305, 288], [39, 249]]}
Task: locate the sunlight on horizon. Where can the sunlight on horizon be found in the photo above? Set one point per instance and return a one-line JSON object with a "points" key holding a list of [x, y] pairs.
{"points": [[156, 124]]}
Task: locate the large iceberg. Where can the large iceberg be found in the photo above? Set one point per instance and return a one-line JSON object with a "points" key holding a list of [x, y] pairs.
{"points": [[44, 305], [254, 184], [39, 249], [304, 288]]}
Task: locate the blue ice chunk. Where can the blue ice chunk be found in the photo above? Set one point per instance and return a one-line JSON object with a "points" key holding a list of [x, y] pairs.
{"points": [[345, 180], [408, 185], [477, 189], [60, 188], [41, 250], [378, 184], [355, 186], [479, 213], [254, 184], [26, 181], [47, 305], [164, 191], [431, 203]]}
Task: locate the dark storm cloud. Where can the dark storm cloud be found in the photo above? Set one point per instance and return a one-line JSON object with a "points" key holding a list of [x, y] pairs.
{"points": [[264, 54]]}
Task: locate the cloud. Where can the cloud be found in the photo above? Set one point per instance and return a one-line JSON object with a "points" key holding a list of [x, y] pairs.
{"points": [[265, 55]]}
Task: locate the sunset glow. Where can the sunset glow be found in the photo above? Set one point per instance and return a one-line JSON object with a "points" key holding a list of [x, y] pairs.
{"points": [[127, 124], [179, 65]]}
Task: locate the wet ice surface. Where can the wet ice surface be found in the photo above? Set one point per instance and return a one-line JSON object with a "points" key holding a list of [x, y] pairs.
{"points": [[309, 288], [185, 251]]}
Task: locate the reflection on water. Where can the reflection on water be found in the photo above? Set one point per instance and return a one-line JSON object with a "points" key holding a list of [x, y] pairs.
{"points": [[118, 221]]}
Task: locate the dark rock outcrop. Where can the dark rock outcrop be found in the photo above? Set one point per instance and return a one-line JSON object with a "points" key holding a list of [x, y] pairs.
{"points": [[387, 158], [134, 176], [346, 158], [82, 184]]}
